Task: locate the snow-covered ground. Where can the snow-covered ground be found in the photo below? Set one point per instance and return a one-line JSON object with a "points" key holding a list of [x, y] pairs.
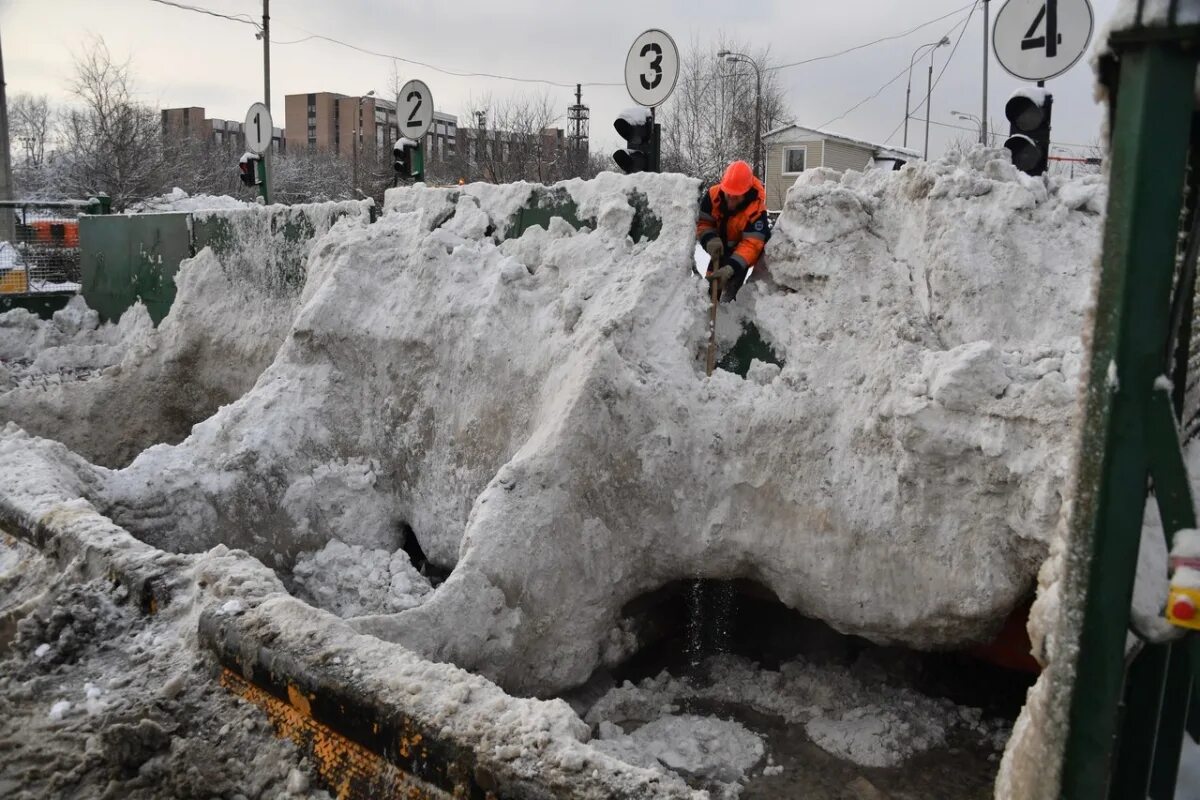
{"points": [[534, 408], [98, 700]]}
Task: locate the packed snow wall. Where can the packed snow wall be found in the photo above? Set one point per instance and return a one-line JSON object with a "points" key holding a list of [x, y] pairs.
{"points": [[532, 405], [111, 391]]}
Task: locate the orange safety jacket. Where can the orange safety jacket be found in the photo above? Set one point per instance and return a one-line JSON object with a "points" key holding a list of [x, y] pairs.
{"points": [[744, 228]]}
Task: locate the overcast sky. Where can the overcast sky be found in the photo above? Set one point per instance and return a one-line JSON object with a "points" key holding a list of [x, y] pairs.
{"points": [[183, 58]]}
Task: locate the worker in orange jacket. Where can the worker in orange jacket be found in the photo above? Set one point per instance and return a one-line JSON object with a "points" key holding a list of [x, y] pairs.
{"points": [[733, 226]]}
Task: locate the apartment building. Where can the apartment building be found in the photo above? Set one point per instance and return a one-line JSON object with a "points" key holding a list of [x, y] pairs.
{"points": [[329, 121], [193, 123]]}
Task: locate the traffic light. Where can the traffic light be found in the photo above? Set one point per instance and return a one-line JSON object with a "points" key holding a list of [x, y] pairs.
{"points": [[1028, 112], [408, 160], [248, 169], [402, 157], [637, 127]]}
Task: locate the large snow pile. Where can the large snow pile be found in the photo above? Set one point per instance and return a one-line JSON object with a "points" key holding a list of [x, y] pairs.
{"points": [[232, 311], [179, 200], [72, 342], [535, 409]]}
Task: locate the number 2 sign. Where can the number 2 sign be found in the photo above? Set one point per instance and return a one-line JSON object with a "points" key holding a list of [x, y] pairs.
{"points": [[651, 68], [414, 109], [1040, 39]]}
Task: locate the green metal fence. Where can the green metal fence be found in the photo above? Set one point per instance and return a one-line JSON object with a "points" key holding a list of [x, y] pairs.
{"points": [[132, 258], [1127, 711]]}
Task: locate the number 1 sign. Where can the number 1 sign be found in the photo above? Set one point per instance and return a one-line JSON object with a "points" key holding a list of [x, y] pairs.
{"points": [[651, 68], [258, 129], [1040, 39]]}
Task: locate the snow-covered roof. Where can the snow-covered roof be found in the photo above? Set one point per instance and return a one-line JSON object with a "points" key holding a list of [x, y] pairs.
{"points": [[880, 150]]}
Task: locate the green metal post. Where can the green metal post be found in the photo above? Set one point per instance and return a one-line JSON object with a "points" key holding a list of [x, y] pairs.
{"points": [[1149, 144], [1159, 682], [1177, 690], [263, 180], [418, 163], [1140, 713]]}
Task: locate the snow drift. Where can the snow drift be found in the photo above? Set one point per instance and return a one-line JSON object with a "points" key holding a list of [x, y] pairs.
{"points": [[109, 392], [534, 407]]}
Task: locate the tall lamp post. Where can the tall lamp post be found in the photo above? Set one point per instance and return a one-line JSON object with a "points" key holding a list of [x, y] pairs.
{"points": [[945, 40], [358, 135], [972, 118], [732, 58]]}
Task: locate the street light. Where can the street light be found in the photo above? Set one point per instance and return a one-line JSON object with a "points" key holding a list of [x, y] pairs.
{"points": [[971, 118], [945, 40], [733, 58], [358, 135]]}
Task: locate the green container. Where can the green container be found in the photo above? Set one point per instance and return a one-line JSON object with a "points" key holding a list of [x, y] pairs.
{"points": [[130, 258]]}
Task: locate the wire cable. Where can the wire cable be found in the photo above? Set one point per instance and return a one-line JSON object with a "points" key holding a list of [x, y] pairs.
{"points": [[242, 18], [443, 70], [945, 66], [896, 77], [870, 43]]}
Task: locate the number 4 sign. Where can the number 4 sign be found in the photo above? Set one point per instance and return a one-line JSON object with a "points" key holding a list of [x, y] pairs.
{"points": [[1036, 40]]}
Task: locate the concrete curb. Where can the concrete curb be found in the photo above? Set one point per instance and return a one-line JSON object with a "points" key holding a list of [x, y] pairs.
{"points": [[376, 719]]}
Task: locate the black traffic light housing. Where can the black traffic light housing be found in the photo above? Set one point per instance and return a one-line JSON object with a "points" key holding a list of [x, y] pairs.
{"points": [[407, 160], [248, 169], [1029, 130], [641, 134]]}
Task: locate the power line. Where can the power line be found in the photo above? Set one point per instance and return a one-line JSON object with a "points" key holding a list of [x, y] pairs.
{"points": [[870, 43], [945, 66], [896, 77], [443, 70], [242, 18], [1065, 145]]}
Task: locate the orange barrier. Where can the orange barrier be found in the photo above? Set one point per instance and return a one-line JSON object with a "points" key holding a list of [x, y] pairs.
{"points": [[63, 233]]}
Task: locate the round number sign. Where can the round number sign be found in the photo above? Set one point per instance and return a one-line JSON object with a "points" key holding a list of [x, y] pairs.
{"points": [[414, 110], [1036, 40], [258, 129], [651, 68]]}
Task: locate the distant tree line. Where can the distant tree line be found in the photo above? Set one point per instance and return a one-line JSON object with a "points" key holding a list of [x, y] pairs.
{"points": [[106, 139]]}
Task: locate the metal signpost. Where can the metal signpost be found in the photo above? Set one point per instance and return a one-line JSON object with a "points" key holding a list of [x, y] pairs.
{"points": [[259, 131]]}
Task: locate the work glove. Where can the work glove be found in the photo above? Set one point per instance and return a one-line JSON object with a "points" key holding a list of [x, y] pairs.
{"points": [[715, 248], [737, 276], [722, 273]]}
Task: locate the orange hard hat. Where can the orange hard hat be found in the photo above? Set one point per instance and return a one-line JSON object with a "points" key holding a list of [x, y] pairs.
{"points": [[738, 178]]}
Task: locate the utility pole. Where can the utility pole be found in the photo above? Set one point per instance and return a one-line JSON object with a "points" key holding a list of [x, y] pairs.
{"points": [[983, 126], [928, 103], [266, 37], [7, 231]]}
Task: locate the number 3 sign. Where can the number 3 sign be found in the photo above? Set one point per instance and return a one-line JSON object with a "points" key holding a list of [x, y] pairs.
{"points": [[1040, 39], [651, 68]]}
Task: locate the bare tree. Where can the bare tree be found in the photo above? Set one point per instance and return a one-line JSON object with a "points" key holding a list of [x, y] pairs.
{"points": [[311, 176], [709, 119], [111, 142], [517, 138], [29, 119]]}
